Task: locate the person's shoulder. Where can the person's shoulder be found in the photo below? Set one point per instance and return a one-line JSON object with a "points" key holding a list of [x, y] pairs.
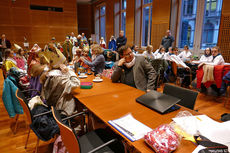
{"points": [[140, 58]]}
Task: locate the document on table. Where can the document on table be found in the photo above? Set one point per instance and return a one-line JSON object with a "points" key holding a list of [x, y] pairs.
{"points": [[130, 127], [203, 125]]}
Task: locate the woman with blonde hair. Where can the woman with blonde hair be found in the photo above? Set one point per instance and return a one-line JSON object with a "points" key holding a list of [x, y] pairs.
{"points": [[98, 63], [149, 52]]}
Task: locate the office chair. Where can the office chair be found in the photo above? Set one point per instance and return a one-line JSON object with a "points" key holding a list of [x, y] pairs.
{"points": [[188, 97], [160, 66], [24, 103], [95, 141]]}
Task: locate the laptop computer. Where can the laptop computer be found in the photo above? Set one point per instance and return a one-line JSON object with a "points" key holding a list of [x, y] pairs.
{"points": [[159, 102]]}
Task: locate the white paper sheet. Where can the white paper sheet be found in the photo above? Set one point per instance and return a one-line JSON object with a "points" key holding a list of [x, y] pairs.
{"points": [[131, 126]]}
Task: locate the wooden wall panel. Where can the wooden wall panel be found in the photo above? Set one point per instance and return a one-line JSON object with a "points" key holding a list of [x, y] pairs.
{"points": [[18, 20], [109, 20], [130, 17], [5, 15], [224, 31], [160, 21], [20, 16], [85, 19]]}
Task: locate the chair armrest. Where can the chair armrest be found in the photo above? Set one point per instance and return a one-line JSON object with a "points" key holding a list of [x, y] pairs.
{"points": [[74, 115], [43, 113], [103, 145]]}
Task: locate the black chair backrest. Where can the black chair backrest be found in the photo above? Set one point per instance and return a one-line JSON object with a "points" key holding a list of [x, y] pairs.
{"points": [[68, 136], [188, 97], [159, 65]]}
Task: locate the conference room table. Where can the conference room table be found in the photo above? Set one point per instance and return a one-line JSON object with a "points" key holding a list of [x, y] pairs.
{"points": [[109, 101]]}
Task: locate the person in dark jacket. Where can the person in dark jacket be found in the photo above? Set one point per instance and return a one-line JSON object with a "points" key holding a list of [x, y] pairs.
{"points": [[167, 40], [4, 44], [112, 43], [121, 40], [134, 71]]}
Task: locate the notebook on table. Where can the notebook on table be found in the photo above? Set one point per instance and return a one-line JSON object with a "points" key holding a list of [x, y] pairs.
{"points": [[159, 102]]}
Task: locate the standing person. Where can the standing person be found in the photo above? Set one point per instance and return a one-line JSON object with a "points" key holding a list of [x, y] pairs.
{"points": [[4, 44], [53, 41], [134, 71], [83, 37], [72, 38], [121, 40], [167, 40], [102, 43], [67, 49], [112, 43]]}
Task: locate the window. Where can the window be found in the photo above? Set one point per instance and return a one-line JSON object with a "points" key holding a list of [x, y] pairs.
{"points": [[143, 15], [100, 23], [120, 17], [187, 23], [199, 35], [211, 23]]}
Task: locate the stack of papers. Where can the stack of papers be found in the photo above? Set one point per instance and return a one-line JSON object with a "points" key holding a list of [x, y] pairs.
{"points": [[130, 127], [203, 125]]}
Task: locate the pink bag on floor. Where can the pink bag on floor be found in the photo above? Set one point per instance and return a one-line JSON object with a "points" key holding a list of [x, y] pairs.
{"points": [[59, 146]]}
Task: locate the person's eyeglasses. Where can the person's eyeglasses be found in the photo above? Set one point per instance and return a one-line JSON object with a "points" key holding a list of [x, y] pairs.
{"points": [[126, 55]]}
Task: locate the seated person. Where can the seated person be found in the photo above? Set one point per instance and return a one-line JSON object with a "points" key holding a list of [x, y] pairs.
{"points": [[86, 56], [171, 56], [207, 57], [149, 52], [9, 60], [20, 58], [133, 70], [217, 58], [160, 53], [109, 55], [98, 63], [185, 55]]}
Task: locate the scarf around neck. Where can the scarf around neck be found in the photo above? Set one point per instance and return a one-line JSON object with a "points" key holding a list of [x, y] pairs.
{"points": [[130, 64]]}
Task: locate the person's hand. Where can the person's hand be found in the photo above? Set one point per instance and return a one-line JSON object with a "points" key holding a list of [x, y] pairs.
{"points": [[148, 90], [82, 59], [121, 62], [63, 68], [187, 68], [1, 46], [201, 64]]}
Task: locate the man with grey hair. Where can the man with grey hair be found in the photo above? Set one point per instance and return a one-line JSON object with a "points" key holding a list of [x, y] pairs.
{"points": [[121, 40]]}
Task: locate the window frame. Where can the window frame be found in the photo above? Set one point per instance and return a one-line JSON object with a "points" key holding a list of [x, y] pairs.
{"points": [[98, 8], [118, 13], [140, 8]]}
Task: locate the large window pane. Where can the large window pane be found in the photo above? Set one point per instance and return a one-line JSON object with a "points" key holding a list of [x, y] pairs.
{"points": [[147, 1], [145, 26], [123, 5], [102, 27], [187, 23], [211, 23], [123, 21]]}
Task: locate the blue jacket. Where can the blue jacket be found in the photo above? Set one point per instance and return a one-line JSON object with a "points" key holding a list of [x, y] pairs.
{"points": [[10, 101], [112, 45]]}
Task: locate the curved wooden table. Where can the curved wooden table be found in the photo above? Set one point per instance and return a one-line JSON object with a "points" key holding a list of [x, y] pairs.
{"points": [[110, 101]]}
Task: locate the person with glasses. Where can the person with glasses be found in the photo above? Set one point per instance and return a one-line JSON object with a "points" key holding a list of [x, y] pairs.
{"points": [[133, 70]]}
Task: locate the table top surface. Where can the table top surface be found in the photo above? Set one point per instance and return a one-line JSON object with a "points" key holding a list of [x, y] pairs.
{"points": [[106, 86], [108, 103]]}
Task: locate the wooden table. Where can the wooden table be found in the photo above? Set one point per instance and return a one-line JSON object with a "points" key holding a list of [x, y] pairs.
{"points": [[100, 88], [115, 104]]}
